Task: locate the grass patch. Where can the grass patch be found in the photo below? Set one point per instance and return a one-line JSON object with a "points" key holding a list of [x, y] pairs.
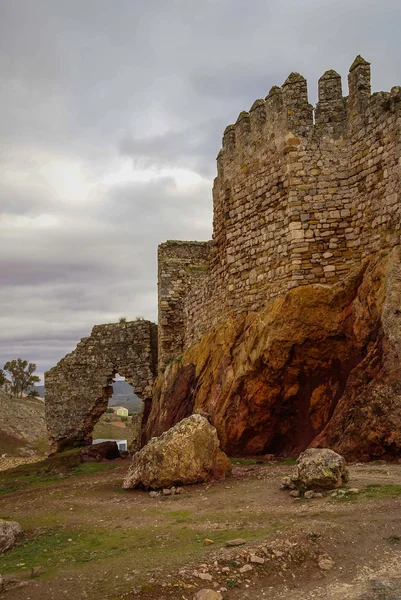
{"points": [[247, 461], [142, 548], [61, 466], [376, 490], [179, 516]]}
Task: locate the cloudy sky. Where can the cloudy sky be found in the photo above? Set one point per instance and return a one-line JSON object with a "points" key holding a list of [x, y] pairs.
{"points": [[111, 118]]}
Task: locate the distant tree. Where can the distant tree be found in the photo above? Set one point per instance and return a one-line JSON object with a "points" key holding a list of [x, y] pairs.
{"points": [[2, 377], [22, 375], [122, 320], [110, 410], [33, 393]]}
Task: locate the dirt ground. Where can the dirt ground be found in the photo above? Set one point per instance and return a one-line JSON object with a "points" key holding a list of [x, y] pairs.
{"points": [[86, 538]]}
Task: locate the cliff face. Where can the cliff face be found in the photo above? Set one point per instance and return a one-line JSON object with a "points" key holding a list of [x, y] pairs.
{"points": [[318, 366]]}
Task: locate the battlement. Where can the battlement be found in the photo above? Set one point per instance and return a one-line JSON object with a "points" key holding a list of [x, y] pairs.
{"points": [[302, 194], [287, 110]]}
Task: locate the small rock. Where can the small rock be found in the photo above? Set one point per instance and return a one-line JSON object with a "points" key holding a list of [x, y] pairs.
{"points": [[154, 494], [208, 542], [236, 542], [179, 490], [353, 491], [318, 494], [258, 560], [286, 484], [309, 494], [225, 569], [9, 532], [207, 595], [204, 576], [295, 493], [36, 571], [167, 492], [325, 563], [245, 569]]}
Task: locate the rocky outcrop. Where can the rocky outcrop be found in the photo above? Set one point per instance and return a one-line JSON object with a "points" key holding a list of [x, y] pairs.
{"points": [[9, 533], [319, 469], [318, 366], [188, 453]]}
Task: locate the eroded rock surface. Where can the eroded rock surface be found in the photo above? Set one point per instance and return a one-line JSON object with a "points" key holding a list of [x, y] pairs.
{"points": [[79, 386], [319, 469], [9, 533], [188, 453], [319, 366]]}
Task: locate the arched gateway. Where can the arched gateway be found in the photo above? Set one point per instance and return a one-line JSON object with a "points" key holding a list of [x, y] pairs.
{"points": [[79, 386]]}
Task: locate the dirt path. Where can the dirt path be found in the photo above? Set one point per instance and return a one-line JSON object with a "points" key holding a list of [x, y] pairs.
{"points": [[92, 540]]}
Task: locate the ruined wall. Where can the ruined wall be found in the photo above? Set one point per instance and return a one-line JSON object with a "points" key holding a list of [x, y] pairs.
{"points": [[301, 194], [181, 266], [79, 386]]}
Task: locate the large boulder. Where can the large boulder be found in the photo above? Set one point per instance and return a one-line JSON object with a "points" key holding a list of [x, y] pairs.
{"points": [[9, 532], [319, 469], [188, 453]]}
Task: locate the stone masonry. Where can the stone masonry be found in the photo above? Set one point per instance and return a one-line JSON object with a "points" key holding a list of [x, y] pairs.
{"points": [[302, 194], [181, 266], [79, 386]]}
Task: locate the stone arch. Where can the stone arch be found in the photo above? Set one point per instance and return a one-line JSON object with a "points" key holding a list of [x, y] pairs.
{"points": [[78, 388]]}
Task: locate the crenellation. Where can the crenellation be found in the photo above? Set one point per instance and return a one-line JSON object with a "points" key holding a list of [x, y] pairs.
{"points": [[297, 110], [299, 200], [359, 89]]}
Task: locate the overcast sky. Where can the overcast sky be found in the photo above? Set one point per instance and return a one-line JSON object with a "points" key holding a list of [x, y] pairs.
{"points": [[111, 117]]}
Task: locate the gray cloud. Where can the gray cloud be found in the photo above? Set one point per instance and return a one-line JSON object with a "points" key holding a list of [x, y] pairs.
{"points": [[89, 85]]}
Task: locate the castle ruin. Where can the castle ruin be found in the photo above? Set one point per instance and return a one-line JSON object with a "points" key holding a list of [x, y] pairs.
{"points": [[302, 195]]}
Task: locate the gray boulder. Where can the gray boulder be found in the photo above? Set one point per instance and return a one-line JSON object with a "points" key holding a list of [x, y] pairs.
{"points": [[319, 469], [9, 532], [187, 453]]}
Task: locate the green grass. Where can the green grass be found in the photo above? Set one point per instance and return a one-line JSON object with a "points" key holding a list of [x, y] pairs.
{"points": [[247, 461], [61, 466], [372, 491], [58, 547], [376, 490], [179, 516]]}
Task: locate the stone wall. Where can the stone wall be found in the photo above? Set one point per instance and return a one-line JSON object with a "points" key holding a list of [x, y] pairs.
{"points": [[301, 195], [181, 266], [79, 386]]}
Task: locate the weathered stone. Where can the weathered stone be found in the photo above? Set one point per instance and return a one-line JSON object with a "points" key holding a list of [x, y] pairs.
{"points": [[288, 187], [9, 533], [257, 560], [235, 542], [79, 386], [317, 366], [309, 495], [245, 568], [320, 469], [188, 453]]}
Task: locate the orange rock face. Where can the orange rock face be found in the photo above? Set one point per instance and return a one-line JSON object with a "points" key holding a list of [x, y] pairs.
{"points": [[319, 366]]}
